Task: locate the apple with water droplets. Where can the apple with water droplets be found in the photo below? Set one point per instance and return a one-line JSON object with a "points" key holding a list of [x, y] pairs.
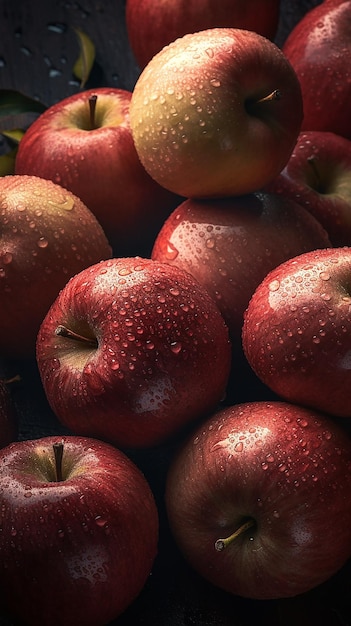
{"points": [[132, 351], [47, 235], [258, 499], [84, 143], [151, 24], [78, 531], [318, 176], [296, 330], [319, 49], [216, 113]]}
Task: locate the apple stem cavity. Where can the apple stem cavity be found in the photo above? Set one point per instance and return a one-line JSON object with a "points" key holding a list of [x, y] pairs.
{"points": [[221, 544], [58, 454], [63, 331], [311, 160], [92, 109]]}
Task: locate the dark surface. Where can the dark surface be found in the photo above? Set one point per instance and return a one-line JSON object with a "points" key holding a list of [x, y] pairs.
{"points": [[38, 48]]}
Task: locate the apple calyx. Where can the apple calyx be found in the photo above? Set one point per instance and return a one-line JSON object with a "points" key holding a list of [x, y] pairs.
{"points": [[92, 108], [221, 544], [63, 331], [58, 454]]}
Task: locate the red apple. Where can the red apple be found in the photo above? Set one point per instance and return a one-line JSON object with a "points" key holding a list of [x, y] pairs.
{"points": [[319, 49], [258, 499], [78, 534], [229, 245], [84, 143], [296, 330], [216, 113], [318, 176], [133, 350], [151, 24], [47, 235]]}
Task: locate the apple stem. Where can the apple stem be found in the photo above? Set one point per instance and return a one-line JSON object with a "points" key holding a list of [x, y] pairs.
{"points": [[221, 544], [274, 95], [63, 331], [92, 109], [58, 453]]}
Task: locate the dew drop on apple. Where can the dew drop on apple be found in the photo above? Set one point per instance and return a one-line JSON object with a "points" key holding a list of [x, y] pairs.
{"points": [[42, 242]]}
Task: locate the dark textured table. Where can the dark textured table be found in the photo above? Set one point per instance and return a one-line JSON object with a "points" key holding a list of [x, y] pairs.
{"points": [[38, 48]]}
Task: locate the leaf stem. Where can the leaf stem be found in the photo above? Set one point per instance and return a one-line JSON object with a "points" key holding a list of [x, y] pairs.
{"points": [[92, 109], [58, 453], [63, 331]]}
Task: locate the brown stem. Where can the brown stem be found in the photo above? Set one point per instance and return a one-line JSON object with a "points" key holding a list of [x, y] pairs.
{"points": [[58, 453], [92, 109], [63, 331], [221, 544], [274, 95]]}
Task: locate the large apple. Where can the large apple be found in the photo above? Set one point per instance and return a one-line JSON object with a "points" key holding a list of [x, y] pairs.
{"points": [[132, 351], [318, 176], [319, 49], [296, 330], [152, 24], [79, 531], [84, 143], [216, 113], [47, 235], [258, 499]]}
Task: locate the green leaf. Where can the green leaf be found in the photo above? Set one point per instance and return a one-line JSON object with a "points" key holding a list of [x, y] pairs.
{"points": [[15, 135], [15, 103], [85, 61], [7, 163]]}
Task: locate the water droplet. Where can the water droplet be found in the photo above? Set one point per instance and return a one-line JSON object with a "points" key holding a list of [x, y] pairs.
{"points": [[42, 242], [274, 285], [176, 347]]}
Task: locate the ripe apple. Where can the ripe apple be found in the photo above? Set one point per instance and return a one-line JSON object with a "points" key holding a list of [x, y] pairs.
{"points": [[319, 49], [132, 351], [84, 143], [258, 499], [318, 176], [296, 330], [229, 245], [151, 25], [216, 113], [47, 235], [8, 415], [79, 531]]}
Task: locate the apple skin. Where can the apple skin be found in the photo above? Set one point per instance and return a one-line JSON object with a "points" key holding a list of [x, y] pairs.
{"points": [[229, 245], [196, 119], [79, 550], [318, 176], [295, 333], [99, 165], [319, 49], [285, 468], [47, 235], [160, 354], [151, 25]]}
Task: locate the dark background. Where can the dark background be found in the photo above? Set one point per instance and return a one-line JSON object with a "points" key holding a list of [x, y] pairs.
{"points": [[38, 48]]}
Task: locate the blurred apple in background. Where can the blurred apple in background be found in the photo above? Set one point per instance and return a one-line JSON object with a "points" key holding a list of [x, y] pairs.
{"points": [[152, 24], [216, 113], [78, 531], [47, 235], [319, 49], [318, 176], [258, 499], [296, 333], [132, 351], [84, 143]]}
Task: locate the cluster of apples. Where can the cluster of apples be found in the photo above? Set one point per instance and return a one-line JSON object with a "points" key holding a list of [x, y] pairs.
{"points": [[173, 247]]}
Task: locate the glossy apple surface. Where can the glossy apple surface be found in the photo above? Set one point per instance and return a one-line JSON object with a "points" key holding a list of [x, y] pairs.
{"points": [[318, 176], [216, 113], [133, 350], [75, 548], [151, 24], [92, 153], [295, 332], [278, 474], [319, 49], [47, 235]]}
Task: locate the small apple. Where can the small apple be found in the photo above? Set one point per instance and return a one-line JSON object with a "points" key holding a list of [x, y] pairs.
{"points": [[151, 24], [296, 330], [216, 113], [78, 531], [47, 235], [319, 49], [318, 176], [132, 351], [258, 499], [84, 143]]}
